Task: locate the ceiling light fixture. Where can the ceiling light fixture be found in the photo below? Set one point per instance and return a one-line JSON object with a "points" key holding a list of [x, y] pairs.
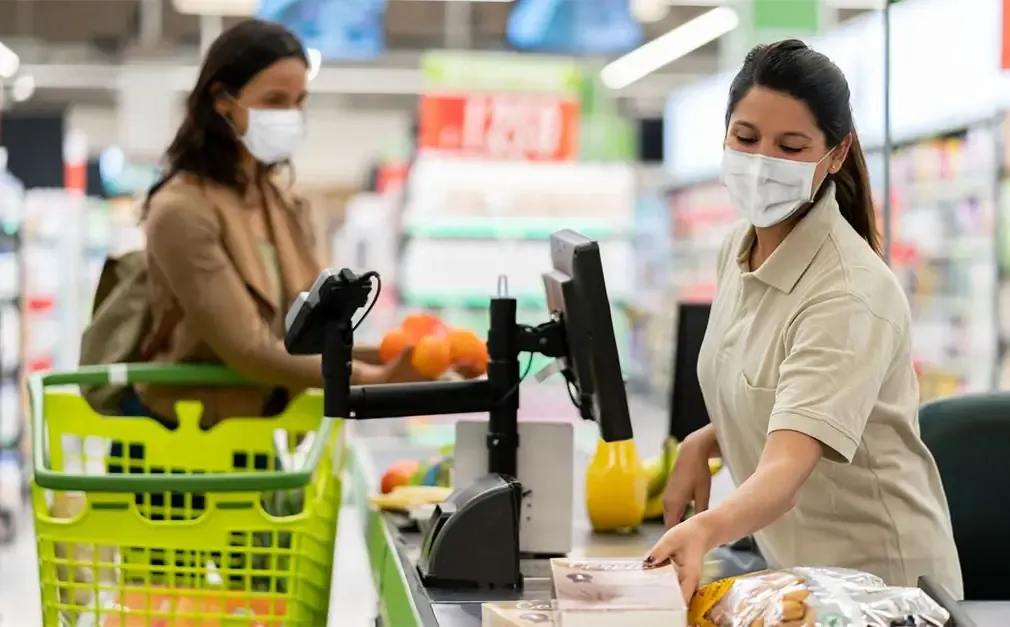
{"points": [[649, 11], [667, 48]]}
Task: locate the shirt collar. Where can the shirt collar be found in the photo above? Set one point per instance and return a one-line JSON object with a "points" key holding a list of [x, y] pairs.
{"points": [[783, 269]]}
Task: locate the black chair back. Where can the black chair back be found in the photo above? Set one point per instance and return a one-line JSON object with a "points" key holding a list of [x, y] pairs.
{"points": [[969, 437]]}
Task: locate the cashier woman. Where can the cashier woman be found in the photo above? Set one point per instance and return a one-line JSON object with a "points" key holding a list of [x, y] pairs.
{"points": [[805, 367]]}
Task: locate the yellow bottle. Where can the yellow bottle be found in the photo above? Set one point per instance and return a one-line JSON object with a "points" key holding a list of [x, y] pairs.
{"points": [[616, 487]]}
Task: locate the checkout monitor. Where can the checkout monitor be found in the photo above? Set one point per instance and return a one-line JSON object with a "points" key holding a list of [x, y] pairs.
{"points": [[577, 293], [687, 406]]}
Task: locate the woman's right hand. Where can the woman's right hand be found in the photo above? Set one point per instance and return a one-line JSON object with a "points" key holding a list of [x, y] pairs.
{"points": [[690, 479], [397, 370]]}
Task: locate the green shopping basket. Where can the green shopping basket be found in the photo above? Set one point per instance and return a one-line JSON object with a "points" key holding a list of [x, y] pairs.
{"points": [[212, 527]]}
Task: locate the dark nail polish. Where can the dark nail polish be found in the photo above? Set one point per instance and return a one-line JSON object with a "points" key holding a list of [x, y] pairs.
{"points": [[649, 560]]}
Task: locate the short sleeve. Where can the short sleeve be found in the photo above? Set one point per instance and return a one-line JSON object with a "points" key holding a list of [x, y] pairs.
{"points": [[838, 355]]}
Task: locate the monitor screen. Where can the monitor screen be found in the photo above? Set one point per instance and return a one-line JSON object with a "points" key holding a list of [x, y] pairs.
{"points": [[574, 26], [339, 29], [687, 406]]}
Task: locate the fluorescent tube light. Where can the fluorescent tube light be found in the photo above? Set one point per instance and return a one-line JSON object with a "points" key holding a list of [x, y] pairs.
{"points": [[669, 47]]}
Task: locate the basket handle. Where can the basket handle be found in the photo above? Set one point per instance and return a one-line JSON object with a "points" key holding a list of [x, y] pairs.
{"points": [[129, 374], [165, 374]]}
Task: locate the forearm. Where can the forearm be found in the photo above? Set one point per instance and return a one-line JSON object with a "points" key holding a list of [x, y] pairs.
{"points": [[787, 460], [368, 354], [363, 373], [710, 442]]}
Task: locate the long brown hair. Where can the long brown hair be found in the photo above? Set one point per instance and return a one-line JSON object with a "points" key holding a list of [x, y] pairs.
{"points": [[205, 144], [792, 68]]}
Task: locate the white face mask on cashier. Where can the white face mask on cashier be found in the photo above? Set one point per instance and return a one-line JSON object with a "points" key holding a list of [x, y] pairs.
{"points": [[766, 190], [273, 135]]}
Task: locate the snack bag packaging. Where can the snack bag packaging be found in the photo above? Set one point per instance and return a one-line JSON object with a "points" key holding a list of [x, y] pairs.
{"points": [[810, 597]]}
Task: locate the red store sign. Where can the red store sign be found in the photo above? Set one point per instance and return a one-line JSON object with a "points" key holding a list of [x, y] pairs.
{"points": [[528, 127]]}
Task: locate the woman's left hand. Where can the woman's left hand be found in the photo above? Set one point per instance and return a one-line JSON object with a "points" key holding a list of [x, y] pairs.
{"points": [[685, 545]]}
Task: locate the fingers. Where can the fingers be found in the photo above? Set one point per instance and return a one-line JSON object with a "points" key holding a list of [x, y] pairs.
{"points": [[689, 575], [660, 553], [702, 493], [673, 510]]}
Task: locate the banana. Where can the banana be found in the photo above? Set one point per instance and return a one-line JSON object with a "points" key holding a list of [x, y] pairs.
{"points": [[655, 475], [405, 497], [657, 469], [715, 465], [654, 507]]}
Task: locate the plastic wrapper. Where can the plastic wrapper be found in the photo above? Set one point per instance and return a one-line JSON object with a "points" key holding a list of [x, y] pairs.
{"points": [[812, 597]]}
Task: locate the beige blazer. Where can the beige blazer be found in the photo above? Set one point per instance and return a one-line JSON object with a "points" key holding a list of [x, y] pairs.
{"points": [[206, 268]]}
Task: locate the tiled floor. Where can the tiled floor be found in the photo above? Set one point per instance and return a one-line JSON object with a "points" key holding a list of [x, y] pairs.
{"points": [[353, 591]]}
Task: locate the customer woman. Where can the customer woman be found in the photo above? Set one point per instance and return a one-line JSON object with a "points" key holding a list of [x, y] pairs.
{"points": [[805, 367], [229, 248]]}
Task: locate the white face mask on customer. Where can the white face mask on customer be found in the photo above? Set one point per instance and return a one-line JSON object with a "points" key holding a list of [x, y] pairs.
{"points": [[273, 135], [765, 190]]}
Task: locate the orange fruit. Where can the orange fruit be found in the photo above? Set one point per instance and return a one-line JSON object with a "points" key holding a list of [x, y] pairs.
{"points": [[431, 356], [418, 325], [393, 343], [466, 347]]}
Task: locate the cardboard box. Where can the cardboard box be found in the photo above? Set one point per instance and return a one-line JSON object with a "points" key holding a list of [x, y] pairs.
{"points": [[602, 592], [517, 614]]}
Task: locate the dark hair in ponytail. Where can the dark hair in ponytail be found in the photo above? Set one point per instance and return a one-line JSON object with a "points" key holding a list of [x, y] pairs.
{"points": [[791, 68], [205, 145]]}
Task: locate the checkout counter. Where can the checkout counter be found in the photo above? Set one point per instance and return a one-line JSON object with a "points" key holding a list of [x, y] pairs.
{"points": [[439, 574]]}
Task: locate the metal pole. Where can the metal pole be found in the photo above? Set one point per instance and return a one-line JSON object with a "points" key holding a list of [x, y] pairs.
{"points": [[150, 22], [210, 27], [887, 131], [457, 24]]}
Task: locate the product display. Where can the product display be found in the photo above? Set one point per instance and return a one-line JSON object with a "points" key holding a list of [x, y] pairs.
{"points": [[812, 597], [943, 250], [497, 215], [943, 222]]}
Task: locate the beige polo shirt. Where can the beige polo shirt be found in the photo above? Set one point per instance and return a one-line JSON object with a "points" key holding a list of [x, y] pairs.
{"points": [[817, 341]]}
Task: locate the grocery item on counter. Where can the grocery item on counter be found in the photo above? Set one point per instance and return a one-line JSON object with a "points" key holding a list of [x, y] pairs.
{"points": [[616, 591], [657, 471], [397, 475], [616, 487], [812, 597], [404, 498], [517, 614]]}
